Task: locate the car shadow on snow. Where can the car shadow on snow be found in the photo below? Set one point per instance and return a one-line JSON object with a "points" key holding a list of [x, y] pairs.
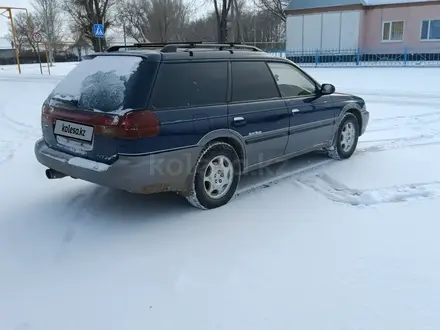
{"points": [[100, 202]]}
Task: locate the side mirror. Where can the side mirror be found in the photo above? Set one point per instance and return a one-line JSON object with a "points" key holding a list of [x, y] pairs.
{"points": [[327, 89]]}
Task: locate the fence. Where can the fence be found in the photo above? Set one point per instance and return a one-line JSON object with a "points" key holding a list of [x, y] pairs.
{"points": [[363, 58], [62, 52], [397, 57]]}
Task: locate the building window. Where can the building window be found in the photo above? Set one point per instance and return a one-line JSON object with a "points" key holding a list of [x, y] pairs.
{"points": [[430, 30], [392, 31]]}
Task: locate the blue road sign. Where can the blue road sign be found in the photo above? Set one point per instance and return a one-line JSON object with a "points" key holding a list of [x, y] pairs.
{"points": [[98, 30]]}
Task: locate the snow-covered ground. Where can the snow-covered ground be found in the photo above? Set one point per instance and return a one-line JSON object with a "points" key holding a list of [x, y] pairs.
{"points": [[335, 245], [32, 69]]}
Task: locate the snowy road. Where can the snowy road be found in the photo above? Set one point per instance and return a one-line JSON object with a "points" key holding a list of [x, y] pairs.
{"points": [[308, 244]]}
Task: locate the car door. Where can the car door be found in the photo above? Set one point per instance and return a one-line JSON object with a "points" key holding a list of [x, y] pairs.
{"points": [[257, 112], [312, 115]]}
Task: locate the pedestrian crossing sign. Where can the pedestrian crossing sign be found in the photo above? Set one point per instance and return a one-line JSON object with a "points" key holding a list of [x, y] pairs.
{"points": [[98, 30]]}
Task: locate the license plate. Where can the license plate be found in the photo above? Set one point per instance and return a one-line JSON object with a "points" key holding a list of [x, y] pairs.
{"points": [[72, 130]]}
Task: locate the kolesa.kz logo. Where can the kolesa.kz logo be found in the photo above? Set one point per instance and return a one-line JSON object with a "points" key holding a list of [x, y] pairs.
{"points": [[72, 130]]}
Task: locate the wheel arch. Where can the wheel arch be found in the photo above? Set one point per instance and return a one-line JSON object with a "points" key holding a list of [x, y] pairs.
{"points": [[230, 137], [354, 109]]}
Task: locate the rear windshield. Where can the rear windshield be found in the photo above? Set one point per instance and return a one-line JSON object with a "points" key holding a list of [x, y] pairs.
{"points": [[107, 84]]}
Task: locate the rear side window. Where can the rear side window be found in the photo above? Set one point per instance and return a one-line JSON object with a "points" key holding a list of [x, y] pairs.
{"points": [[252, 81], [107, 84], [180, 85]]}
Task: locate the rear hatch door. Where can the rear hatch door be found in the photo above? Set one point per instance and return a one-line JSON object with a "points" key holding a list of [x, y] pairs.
{"points": [[79, 114]]}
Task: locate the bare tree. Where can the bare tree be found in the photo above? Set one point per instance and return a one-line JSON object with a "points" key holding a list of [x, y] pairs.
{"points": [[222, 9], [49, 19], [24, 28], [133, 17], [86, 13], [202, 29], [154, 20], [276, 7], [20, 39], [259, 27], [170, 17], [237, 9]]}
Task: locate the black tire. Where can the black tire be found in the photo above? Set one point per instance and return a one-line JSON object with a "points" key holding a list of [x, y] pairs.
{"points": [[198, 196], [336, 151]]}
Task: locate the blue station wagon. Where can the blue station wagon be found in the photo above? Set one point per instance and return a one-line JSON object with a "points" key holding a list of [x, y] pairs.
{"points": [[190, 118]]}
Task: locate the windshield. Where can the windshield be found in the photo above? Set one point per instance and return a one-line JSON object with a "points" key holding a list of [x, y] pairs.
{"points": [[104, 83]]}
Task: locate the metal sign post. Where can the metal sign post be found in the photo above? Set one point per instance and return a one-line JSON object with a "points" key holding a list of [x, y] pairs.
{"points": [[98, 32], [46, 47], [38, 38]]}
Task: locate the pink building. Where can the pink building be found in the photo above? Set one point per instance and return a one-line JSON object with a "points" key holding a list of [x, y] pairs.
{"points": [[374, 26]]}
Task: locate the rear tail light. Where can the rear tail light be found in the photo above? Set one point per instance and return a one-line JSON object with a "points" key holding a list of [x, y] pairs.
{"points": [[45, 114], [132, 125], [138, 124]]}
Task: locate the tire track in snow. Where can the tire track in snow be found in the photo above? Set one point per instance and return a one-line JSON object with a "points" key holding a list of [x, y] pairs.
{"points": [[393, 94], [390, 123], [11, 140], [380, 145], [282, 177], [337, 192], [19, 132], [18, 135]]}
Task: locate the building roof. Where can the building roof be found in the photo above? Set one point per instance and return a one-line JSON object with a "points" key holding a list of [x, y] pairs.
{"points": [[314, 4], [391, 2]]}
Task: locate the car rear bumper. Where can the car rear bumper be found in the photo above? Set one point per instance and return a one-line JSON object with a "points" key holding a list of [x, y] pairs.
{"points": [[167, 171]]}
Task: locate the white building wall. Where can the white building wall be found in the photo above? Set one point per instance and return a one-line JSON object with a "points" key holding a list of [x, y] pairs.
{"points": [[324, 31], [330, 37], [350, 28], [312, 31], [294, 32]]}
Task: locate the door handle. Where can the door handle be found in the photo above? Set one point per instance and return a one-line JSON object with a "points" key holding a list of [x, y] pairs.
{"points": [[239, 121], [294, 111]]}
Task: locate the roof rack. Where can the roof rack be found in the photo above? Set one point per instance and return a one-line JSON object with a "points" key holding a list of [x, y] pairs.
{"points": [[137, 45], [172, 47]]}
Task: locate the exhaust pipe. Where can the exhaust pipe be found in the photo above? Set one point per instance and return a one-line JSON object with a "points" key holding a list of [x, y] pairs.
{"points": [[52, 174]]}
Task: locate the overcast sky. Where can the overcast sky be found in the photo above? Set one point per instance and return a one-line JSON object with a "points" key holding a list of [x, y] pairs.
{"points": [[26, 3], [11, 3]]}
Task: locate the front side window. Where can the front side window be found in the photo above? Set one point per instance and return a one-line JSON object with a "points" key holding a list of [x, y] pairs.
{"points": [[183, 85], [252, 81], [430, 30], [392, 31], [291, 82]]}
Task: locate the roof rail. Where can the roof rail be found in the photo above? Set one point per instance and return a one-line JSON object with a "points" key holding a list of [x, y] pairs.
{"points": [[137, 45], [171, 47]]}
